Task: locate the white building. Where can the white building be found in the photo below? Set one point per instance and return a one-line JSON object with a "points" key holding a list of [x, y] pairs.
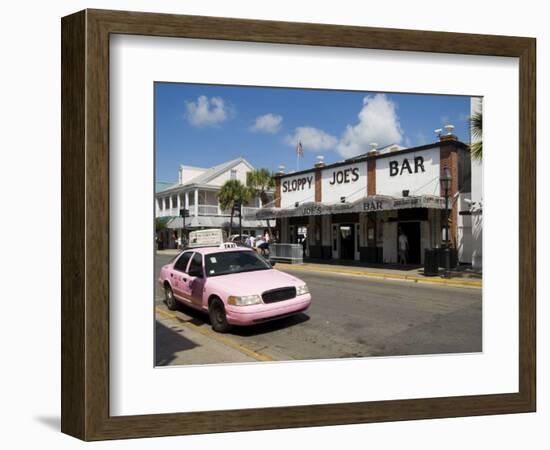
{"points": [[197, 191], [354, 209]]}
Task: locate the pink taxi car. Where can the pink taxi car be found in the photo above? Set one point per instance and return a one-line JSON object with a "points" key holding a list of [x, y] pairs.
{"points": [[236, 286]]}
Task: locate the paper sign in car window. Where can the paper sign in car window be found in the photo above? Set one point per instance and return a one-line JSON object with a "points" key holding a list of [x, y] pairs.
{"points": [[213, 260]]}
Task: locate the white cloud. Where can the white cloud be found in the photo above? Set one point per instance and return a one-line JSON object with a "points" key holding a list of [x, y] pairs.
{"points": [[268, 123], [206, 112], [378, 122], [312, 139]]}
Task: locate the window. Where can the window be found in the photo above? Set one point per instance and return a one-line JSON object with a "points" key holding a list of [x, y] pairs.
{"points": [[234, 262], [233, 174], [181, 263], [195, 268]]}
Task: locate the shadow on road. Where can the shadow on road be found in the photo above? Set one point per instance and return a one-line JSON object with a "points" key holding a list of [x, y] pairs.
{"points": [[168, 343], [199, 318], [268, 327]]}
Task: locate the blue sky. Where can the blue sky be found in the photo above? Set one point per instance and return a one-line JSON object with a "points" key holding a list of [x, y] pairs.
{"points": [[204, 125]]}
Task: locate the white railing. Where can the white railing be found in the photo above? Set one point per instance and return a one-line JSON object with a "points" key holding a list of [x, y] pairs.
{"points": [[205, 210], [208, 210], [249, 210]]}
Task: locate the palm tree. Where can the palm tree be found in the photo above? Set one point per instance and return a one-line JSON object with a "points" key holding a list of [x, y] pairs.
{"points": [[261, 181], [476, 126], [230, 192]]}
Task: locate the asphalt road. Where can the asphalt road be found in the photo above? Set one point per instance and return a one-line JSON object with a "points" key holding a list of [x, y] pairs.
{"points": [[349, 317]]}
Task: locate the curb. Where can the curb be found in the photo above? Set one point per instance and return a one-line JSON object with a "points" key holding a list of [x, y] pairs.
{"points": [[393, 277]]}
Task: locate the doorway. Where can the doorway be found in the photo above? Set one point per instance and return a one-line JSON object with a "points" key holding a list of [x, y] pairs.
{"points": [[347, 241], [412, 231]]}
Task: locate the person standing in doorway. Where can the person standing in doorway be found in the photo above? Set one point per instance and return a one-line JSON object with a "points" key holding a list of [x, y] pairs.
{"points": [[403, 244]]}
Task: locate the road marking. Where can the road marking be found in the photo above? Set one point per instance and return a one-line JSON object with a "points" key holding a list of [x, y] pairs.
{"points": [[216, 336], [388, 276]]}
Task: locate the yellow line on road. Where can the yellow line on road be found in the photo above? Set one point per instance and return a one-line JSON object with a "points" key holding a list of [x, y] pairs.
{"points": [[216, 336], [387, 276]]}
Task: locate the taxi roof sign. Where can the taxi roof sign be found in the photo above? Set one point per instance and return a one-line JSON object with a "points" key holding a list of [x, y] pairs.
{"points": [[206, 238]]}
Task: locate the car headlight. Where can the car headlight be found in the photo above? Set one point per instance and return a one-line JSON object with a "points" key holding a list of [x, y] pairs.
{"points": [[244, 300], [301, 290]]}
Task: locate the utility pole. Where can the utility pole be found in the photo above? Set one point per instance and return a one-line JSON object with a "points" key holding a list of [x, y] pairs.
{"points": [[183, 213]]}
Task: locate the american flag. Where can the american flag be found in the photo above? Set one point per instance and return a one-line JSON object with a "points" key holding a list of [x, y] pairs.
{"points": [[300, 149]]}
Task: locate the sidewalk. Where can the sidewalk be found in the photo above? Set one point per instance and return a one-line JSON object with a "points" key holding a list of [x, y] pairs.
{"points": [[459, 277], [169, 251]]}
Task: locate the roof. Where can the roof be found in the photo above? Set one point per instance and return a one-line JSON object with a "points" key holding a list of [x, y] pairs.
{"points": [[211, 173], [163, 185], [379, 150], [213, 222], [367, 156], [216, 171], [369, 203]]}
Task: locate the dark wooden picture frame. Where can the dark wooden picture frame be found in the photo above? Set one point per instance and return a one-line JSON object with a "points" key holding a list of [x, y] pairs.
{"points": [[85, 224]]}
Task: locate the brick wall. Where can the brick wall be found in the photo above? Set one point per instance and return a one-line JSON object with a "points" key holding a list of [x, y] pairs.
{"points": [[318, 185], [449, 158], [371, 177]]}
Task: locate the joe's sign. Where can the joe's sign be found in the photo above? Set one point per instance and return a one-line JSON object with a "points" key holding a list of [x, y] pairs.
{"points": [[349, 181]]}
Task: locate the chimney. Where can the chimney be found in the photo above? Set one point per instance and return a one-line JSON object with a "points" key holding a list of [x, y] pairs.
{"points": [[448, 135], [373, 149], [320, 161], [281, 170]]}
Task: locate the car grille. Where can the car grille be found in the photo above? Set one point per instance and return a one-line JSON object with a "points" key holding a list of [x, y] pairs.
{"points": [[278, 295]]}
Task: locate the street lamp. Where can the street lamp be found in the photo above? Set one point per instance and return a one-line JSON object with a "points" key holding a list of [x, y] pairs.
{"points": [[446, 180], [183, 213]]}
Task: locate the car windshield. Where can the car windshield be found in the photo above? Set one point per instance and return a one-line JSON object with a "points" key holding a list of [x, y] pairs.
{"points": [[234, 262]]}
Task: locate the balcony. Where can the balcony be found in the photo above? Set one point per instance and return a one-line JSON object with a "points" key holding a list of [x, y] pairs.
{"points": [[204, 210]]}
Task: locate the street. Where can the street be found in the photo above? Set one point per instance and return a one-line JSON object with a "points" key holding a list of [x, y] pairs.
{"points": [[349, 317]]}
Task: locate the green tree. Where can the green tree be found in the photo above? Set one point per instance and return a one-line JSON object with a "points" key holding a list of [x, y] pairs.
{"points": [[260, 181], [476, 126], [230, 192]]}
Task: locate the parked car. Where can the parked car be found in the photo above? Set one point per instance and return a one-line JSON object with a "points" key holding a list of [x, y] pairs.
{"points": [[234, 285]]}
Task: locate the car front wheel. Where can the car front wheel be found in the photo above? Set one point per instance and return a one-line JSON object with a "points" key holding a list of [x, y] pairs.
{"points": [[218, 319], [169, 299]]}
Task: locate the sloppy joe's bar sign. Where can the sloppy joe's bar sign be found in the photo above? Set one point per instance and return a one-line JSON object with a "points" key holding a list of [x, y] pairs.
{"points": [[349, 181], [297, 184], [366, 204], [299, 188], [417, 172]]}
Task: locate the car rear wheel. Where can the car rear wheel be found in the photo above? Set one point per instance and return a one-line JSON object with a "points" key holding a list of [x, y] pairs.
{"points": [[169, 298], [218, 319]]}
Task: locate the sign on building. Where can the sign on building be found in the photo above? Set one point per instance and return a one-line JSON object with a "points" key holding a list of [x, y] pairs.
{"points": [[349, 181]]}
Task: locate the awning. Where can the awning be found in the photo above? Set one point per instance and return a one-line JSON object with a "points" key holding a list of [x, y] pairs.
{"points": [[366, 204], [214, 222]]}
